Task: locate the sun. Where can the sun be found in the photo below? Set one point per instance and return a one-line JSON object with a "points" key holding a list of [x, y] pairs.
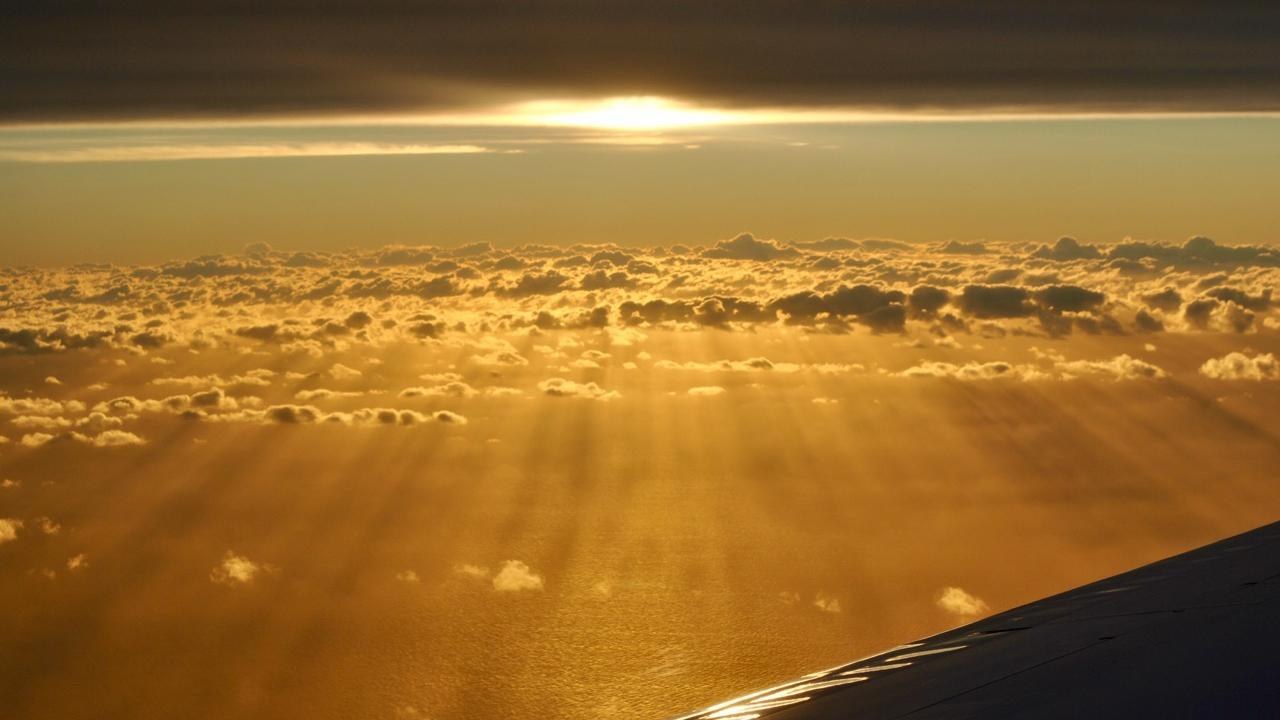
{"points": [[622, 114]]}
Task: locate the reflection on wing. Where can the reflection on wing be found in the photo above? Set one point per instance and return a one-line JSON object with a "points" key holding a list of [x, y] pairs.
{"points": [[1194, 635]]}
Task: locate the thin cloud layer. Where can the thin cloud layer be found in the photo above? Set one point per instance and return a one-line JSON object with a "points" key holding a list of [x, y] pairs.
{"points": [[161, 153]]}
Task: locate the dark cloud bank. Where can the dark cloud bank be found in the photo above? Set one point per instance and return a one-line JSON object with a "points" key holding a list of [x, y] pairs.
{"points": [[103, 60]]}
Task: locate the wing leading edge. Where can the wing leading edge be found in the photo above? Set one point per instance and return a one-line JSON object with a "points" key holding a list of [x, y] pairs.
{"points": [[1195, 635]]}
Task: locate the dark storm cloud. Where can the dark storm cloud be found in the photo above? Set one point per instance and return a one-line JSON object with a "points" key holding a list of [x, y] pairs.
{"points": [[147, 59]]}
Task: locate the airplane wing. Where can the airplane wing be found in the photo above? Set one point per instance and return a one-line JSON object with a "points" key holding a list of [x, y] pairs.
{"points": [[1196, 635]]}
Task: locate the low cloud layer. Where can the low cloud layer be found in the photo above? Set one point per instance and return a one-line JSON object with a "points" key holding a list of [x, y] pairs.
{"points": [[461, 444], [271, 338], [312, 302]]}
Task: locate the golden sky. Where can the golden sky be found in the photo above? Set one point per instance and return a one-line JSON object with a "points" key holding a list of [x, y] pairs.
{"points": [[636, 177], [594, 359]]}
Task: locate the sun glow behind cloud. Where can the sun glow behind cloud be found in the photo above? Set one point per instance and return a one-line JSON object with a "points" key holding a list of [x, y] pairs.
{"points": [[625, 114], [505, 128], [641, 113]]}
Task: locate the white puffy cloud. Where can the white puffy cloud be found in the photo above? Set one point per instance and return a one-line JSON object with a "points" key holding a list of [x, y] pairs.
{"points": [[500, 358], [974, 371], [92, 424], [290, 414], [325, 394], [38, 406], [515, 576], [826, 603], [97, 423], [449, 417], [235, 570], [1049, 365], [755, 364], [111, 438], [758, 364], [706, 391], [960, 603], [453, 388], [405, 711], [104, 439], [9, 528], [472, 571], [745, 246], [342, 372], [1239, 366], [559, 387], [441, 377], [40, 422], [1120, 367], [258, 378]]}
